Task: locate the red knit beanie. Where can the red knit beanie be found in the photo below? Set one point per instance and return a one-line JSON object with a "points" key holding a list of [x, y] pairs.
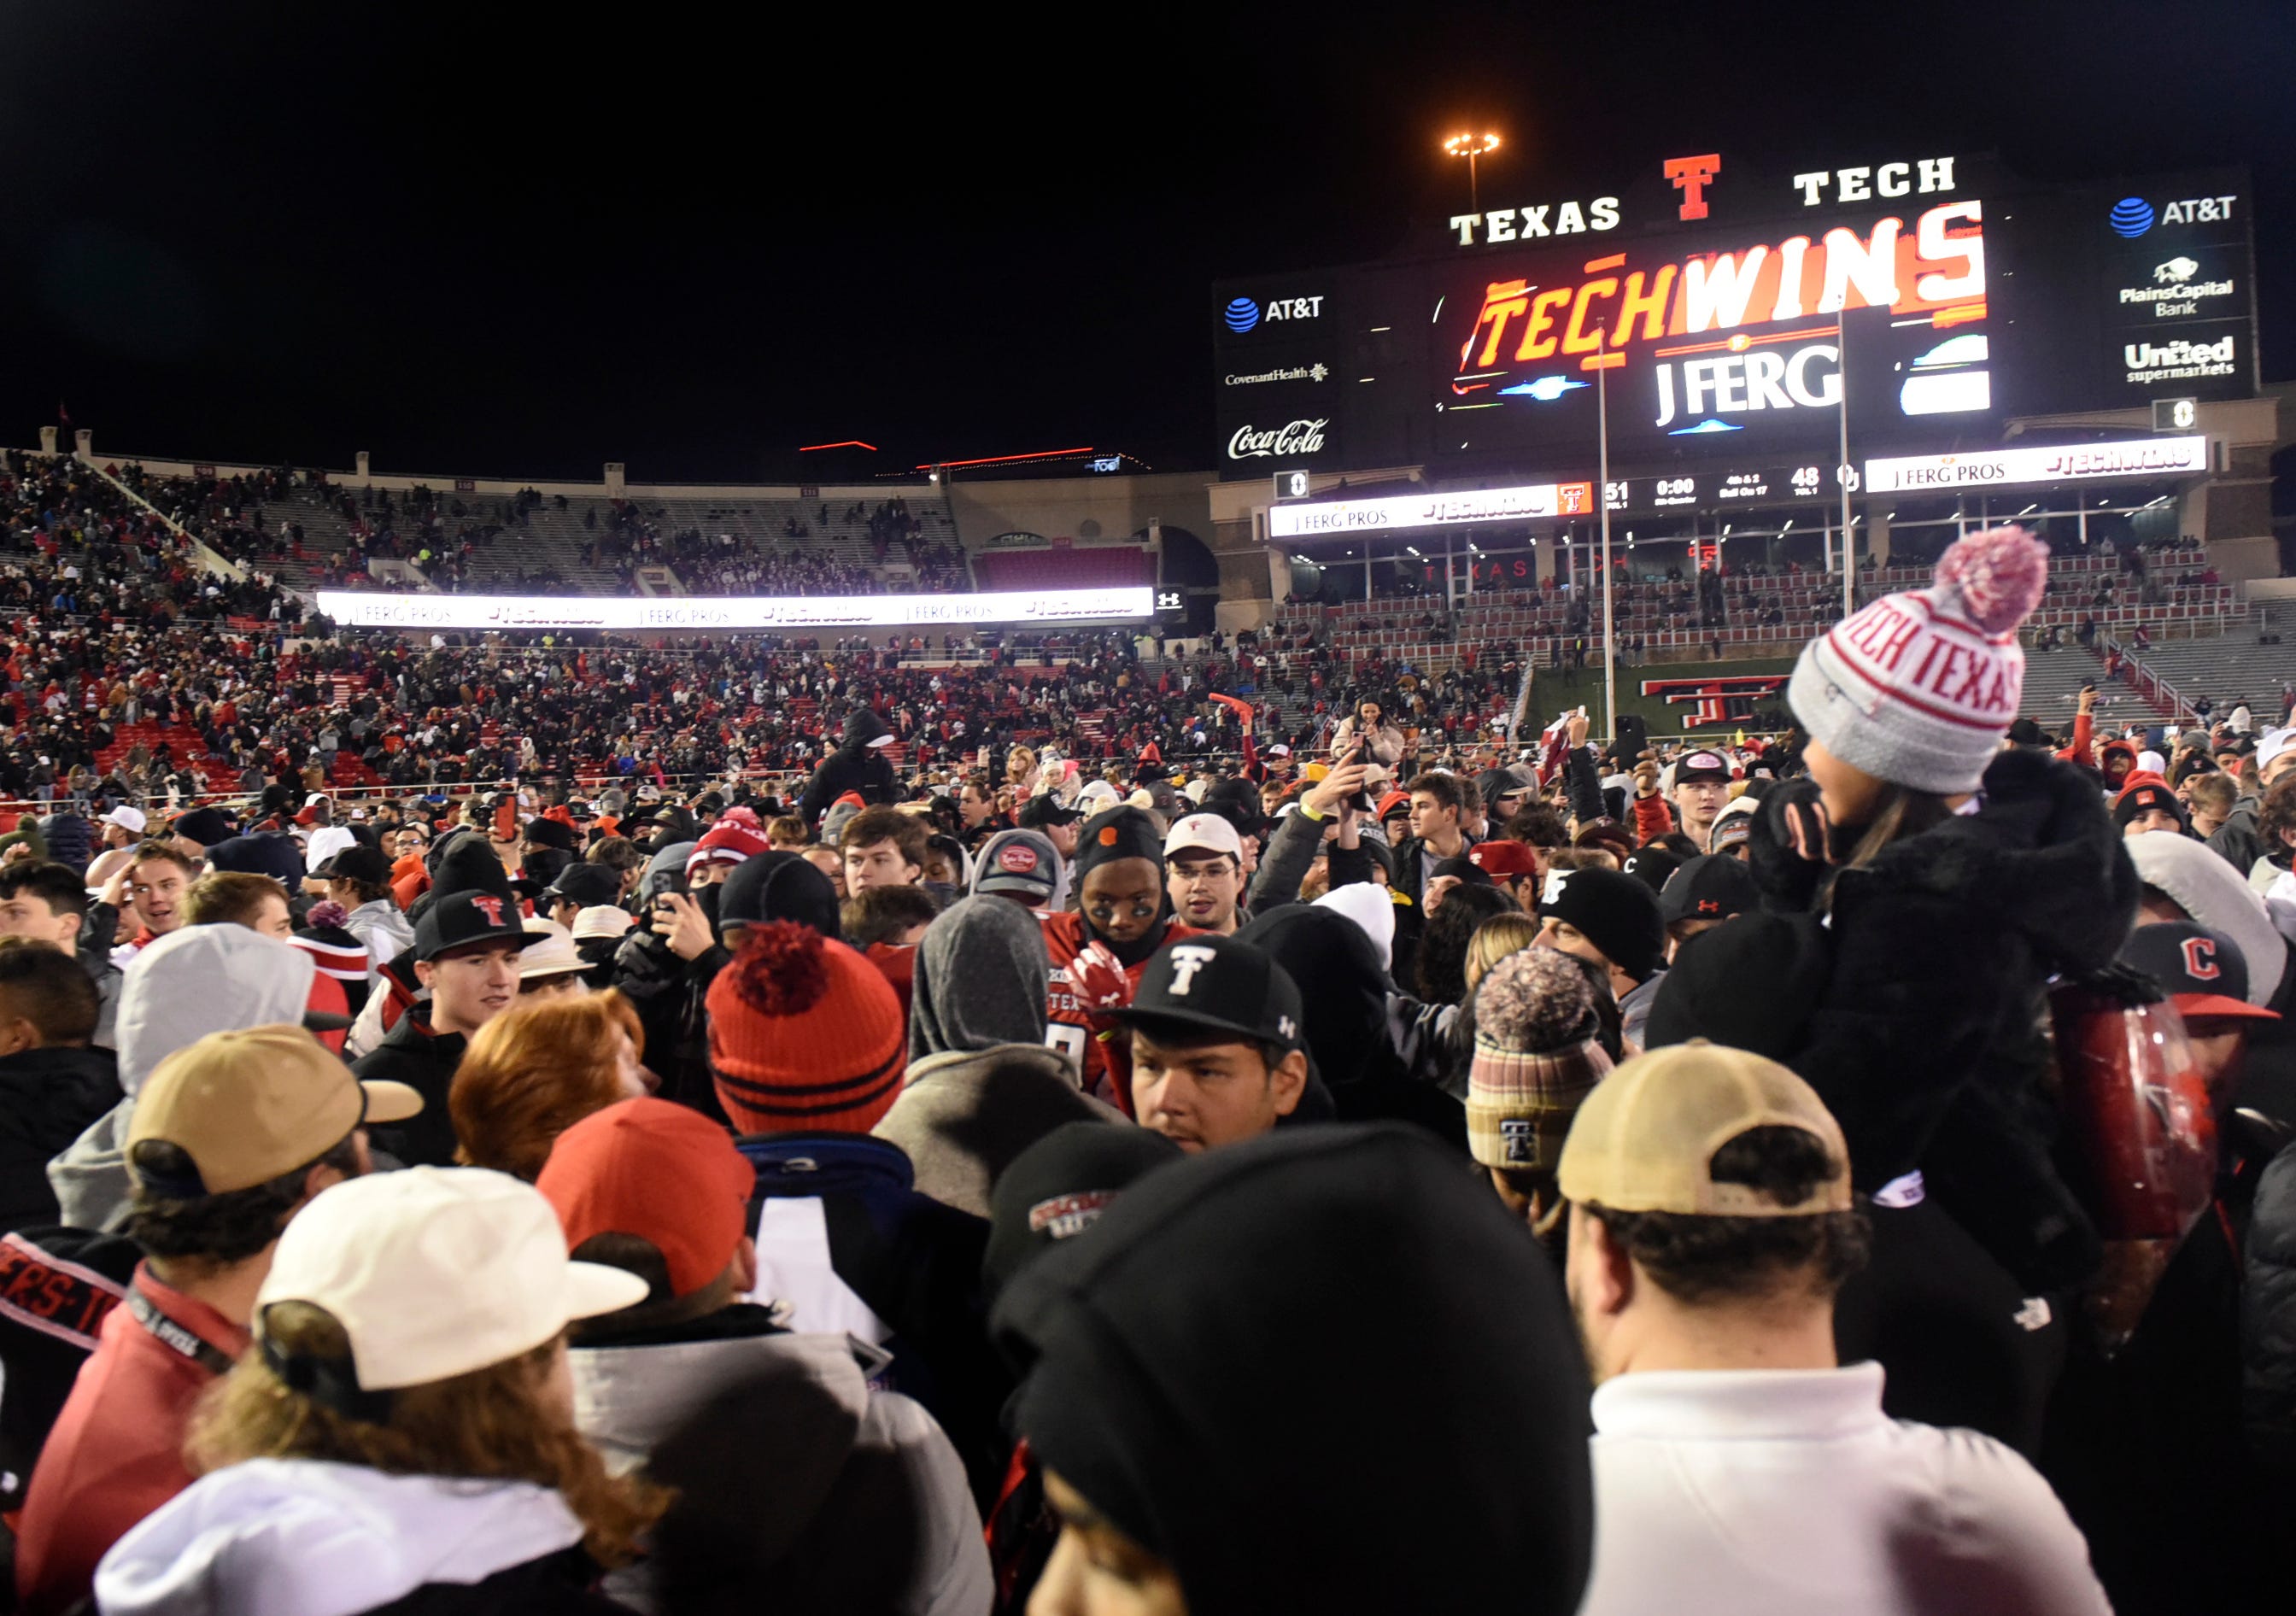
{"points": [[804, 1035]]}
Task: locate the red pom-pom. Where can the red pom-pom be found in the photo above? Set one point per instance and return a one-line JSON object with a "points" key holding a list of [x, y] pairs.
{"points": [[780, 970], [1999, 573], [744, 815]]}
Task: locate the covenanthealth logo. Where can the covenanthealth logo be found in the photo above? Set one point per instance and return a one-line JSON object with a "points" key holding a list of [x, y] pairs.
{"points": [[1242, 315]]}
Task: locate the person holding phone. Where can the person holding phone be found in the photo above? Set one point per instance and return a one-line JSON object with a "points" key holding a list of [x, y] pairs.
{"points": [[1368, 728]]}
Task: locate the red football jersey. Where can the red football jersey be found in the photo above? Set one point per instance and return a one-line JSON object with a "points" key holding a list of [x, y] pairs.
{"points": [[1086, 981]]}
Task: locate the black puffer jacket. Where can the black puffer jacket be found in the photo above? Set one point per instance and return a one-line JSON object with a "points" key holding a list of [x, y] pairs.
{"points": [[2267, 1319], [854, 767], [1917, 1013], [48, 1098]]}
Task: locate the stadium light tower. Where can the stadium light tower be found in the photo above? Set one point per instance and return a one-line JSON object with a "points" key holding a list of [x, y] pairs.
{"points": [[1474, 148]]}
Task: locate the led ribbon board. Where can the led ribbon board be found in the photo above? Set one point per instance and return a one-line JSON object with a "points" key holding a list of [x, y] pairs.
{"points": [[1403, 511], [2059, 463], [363, 609]]}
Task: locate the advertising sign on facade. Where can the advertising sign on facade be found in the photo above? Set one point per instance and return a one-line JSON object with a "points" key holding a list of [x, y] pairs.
{"points": [[2016, 467]]}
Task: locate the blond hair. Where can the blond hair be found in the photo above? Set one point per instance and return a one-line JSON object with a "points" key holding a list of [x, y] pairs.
{"points": [[490, 1424], [1496, 939]]}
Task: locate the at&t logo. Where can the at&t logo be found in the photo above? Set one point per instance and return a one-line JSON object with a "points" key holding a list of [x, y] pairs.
{"points": [[1243, 314]]}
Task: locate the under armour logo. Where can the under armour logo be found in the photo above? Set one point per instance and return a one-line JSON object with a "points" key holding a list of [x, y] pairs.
{"points": [[1285, 1025], [1708, 905]]}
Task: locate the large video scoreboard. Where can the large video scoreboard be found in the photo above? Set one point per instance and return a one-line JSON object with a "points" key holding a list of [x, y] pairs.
{"points": [[1720, 312]]}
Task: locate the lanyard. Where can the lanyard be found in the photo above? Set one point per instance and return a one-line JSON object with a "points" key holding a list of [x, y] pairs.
{"points": [[175, 1337]]}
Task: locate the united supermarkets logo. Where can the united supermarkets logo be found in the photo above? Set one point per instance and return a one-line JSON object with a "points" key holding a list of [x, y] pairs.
{"points": [[2178, 361]]}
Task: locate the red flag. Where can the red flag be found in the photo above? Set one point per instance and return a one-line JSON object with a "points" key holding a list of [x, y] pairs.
{"points": [[63, 414]]}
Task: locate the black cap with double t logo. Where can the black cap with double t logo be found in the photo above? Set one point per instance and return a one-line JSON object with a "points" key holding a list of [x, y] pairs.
{"points": [[471, 917], [1216, 984]]}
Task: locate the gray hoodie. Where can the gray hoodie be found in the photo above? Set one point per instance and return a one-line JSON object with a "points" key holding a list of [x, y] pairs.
{"points": [[383, 928], [980, 978], [982, 1085], [627, 1398], [185, 986]]}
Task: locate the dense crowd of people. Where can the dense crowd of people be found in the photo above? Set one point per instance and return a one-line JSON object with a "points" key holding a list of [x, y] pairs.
{"points": [[1103, 1132], [248, 706]]}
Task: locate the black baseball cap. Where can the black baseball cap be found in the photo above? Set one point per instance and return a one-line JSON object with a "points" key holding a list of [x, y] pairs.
{"points": [[1217, 984], [1043, 809], [1692, 767], [1653, 865], [587, 884], [1713, 887], [2203, 971], [461, 918], [357, 862]]}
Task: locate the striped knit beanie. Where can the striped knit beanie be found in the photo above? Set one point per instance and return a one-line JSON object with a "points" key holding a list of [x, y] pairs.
{"points": [[804, 1035], [335, 951], [726, 844], [1917, 689], [1536, 1058]]}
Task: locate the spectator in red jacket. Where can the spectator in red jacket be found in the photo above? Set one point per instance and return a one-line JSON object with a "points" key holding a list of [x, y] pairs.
{"points": [[231, 1137]]}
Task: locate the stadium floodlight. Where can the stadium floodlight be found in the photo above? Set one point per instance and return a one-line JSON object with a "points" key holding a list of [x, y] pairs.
{"points": [[1474, 148]]}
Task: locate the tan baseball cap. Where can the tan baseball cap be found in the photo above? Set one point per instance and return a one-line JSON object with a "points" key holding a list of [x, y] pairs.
{"points": [[1645, 1140], [248, 1106]]}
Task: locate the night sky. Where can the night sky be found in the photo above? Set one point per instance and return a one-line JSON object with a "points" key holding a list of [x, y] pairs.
{"points": [[287, 232]]}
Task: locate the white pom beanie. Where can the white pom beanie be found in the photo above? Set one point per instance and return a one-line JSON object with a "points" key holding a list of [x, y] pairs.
{"points": [[1918, 688]]}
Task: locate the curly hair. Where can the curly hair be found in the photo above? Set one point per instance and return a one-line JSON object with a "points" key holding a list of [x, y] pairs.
{"points": [[221, 1229], [493, 1424], [1442, 963], [2276, 820], [533, 1072]]}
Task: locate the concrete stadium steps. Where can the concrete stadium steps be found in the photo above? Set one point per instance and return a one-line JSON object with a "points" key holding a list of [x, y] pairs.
{"points": [[549, 538], [2053, 687], [2226, 667]]}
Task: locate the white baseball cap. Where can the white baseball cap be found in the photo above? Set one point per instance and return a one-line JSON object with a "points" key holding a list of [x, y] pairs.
{"points": [[128, 819], [437, 1271], [2275, 743], [1209, 832]]}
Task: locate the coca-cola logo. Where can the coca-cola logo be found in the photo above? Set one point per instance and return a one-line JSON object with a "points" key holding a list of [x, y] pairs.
{"points": [[1299, 437]]}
